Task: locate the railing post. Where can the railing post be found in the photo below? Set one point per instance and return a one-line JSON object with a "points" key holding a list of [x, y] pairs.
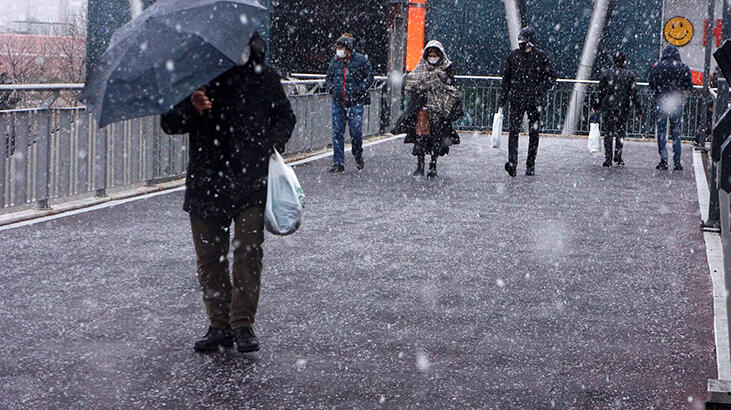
{"points": [[719, 136], [719, 390], [101, 161], [722, 99], [44, 167]]}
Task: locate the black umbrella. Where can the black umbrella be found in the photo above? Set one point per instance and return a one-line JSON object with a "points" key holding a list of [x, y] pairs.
{"points": [[173, 48]]}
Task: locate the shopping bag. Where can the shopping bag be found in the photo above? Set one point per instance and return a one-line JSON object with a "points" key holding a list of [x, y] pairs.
{"points": [[497, 128], [595, 139], [285, 199]]}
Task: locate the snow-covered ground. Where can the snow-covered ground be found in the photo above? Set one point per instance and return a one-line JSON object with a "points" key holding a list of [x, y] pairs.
{"points": [[581, 287]]}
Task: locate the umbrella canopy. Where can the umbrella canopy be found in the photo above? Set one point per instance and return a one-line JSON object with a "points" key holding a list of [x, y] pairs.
{"points": [[173, 48]]}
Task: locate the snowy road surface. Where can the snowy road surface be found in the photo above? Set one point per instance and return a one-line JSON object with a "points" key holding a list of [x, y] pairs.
{"points": [[581, 287]]}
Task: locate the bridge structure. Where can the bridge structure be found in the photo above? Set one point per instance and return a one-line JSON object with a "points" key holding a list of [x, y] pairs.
{"points": [[581, 287]]}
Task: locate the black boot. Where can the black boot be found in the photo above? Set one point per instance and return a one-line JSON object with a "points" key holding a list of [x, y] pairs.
{"points": [[510, 168], [663, 166], [607, 163], [359, 163], [432, 168], [530, 171], [419, 167], [246, 340], [214, 339], [337, 168], [678, 166]]}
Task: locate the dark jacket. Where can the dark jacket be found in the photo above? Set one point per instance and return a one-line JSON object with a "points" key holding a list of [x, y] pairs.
{"points": [[230, 144], [670, 74], [527, 77], [348, 80], [617, 92], [440, 128]]}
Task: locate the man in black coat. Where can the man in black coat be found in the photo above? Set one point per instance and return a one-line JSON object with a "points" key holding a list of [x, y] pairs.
{"points": [[235, 122], [527, 77], [671, 80], [617, 94]]}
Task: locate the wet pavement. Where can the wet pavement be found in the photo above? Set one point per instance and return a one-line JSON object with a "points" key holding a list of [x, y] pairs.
{"points": [[580, 287]]}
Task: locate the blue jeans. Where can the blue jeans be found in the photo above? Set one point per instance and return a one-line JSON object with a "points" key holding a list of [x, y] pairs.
{"points": [[675, 120], [353, 116]]}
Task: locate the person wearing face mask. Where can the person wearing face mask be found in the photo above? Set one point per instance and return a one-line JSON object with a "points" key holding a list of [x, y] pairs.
{"points": [[434, 104], [527, 77], [349, 76], [235, 122], [617, 94]]}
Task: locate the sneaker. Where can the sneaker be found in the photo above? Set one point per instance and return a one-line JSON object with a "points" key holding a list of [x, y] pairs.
{"points": [[607, 164], [336, 168], [359, 163], [678, 167], [246, 340], [214, 339], [663, 166], [432, 170], [530, 171], [510, 169]]}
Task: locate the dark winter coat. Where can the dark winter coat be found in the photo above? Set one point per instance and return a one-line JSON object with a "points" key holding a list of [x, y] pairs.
{"points": [[617, 92], [670, 74], [527, 77], [230, 144], [349, 79], [440, 128]]}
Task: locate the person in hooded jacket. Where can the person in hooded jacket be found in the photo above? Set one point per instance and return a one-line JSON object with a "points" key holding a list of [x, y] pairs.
{"points": [[527, 77], [671, 80], [235, 122], [617, 94], [349, 76], [434, 104]]}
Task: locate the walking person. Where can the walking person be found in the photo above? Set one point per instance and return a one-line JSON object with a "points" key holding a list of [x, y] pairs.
{"points": [[671, 80], [349, 76], [235, 122], [616, 96], [434, 104], [527, 77]]}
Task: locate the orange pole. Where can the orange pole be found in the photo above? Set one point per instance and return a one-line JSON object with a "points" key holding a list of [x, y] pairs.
{"points": [[415, 33]]}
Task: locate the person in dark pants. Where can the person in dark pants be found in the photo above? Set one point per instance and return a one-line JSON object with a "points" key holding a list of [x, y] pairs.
{"points": [[349, 76], [527, 77], [671, 80], [434, 104], [617, 94], [235, 122]]}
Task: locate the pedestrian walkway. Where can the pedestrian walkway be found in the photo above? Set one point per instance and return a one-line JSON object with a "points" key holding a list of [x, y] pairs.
{"points": [[580, 287]]}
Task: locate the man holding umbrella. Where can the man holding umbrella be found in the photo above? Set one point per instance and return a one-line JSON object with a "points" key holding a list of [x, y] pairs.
{"points": [[201, 64], [235, 122]]}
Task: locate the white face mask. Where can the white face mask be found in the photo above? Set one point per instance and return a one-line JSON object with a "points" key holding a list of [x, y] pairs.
{"points": [[340, 53], [245, 55], [433, 60]]}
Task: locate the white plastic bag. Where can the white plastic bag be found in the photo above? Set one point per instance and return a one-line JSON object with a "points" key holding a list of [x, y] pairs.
{"points": [[595, 138], [285, 199], [497, 128]]}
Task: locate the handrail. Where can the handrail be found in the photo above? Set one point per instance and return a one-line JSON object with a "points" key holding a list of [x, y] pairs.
{"points": [[41, 87], [306, 79], [488, 77]]}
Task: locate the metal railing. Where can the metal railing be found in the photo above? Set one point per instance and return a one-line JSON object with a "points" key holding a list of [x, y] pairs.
{"points": [[481, 96], [50, 154]]}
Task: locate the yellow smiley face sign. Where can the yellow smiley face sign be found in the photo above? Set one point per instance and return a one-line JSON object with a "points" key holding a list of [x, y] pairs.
{"points": [[678, 31]]}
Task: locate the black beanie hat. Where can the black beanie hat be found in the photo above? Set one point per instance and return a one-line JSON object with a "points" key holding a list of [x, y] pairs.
{"points": [[346, 41]]}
